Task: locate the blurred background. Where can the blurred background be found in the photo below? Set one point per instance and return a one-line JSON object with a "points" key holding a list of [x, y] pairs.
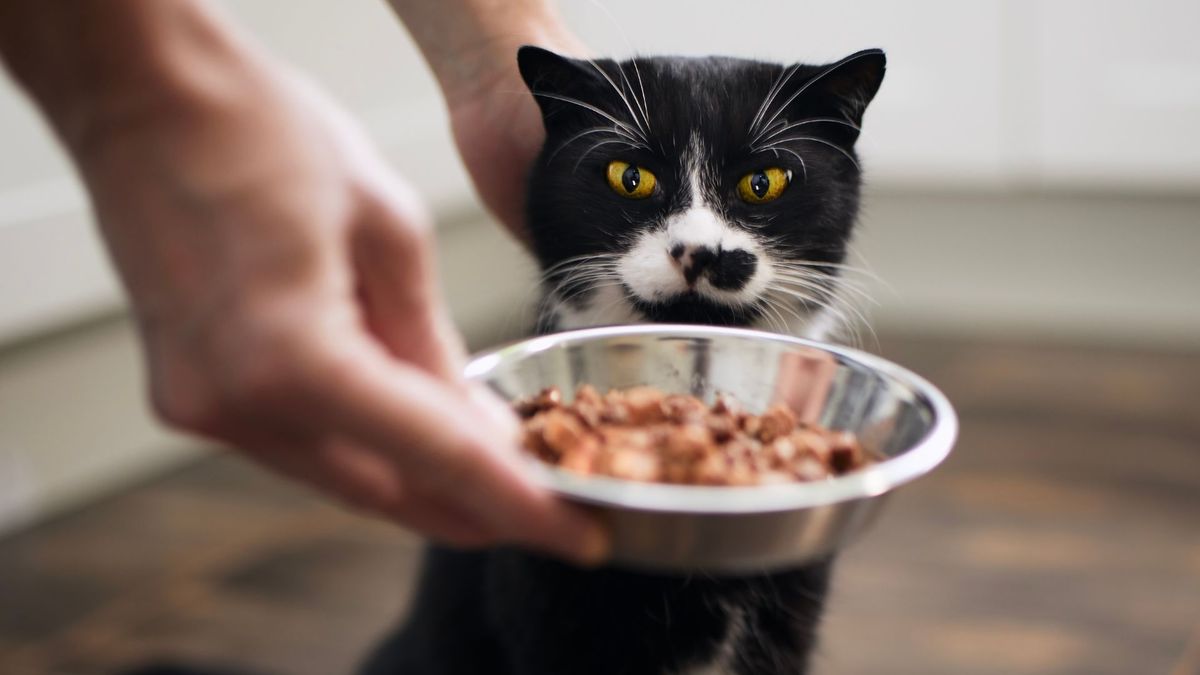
{"points": [[1032, 214]]}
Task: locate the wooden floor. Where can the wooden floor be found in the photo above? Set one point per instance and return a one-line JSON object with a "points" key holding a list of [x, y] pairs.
{"points": [[1063, 536]]}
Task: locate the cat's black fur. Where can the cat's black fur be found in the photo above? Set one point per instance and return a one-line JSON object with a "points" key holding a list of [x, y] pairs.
{"points": [[512, 613], [507, 612]]}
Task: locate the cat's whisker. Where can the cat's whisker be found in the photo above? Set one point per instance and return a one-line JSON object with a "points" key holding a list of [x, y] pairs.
{"points": [[834, 281], [818, 290], [780, 81], [863, 267], [599, 144], [623, 297], [842, 267], [826, 287], [764, 307], [806, 294], [816, 78], [586, 258], [793, 153], [643, 104], [610, 283], [570, 295], [766, 134], [782, 300], [579, 264], [829, 284], [568, 289], [583, 268], [769, 130], [576, 286], [800, 318], [594, 130], [842, 328], [573, 277], [814, 139], [590, 267], [621, 93], [642, 87], [836, 304], [643, 142], [773, 305], [816, 271], [837, 285]]}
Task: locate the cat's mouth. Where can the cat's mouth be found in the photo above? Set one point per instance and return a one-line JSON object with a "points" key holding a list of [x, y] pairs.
{"points": [[692, 307]]}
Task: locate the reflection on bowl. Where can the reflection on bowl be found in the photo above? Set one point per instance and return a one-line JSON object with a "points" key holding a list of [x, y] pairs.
{"points": [[897, 415]]}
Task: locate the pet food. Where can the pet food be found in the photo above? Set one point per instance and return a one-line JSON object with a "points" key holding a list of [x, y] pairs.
{"points": [[644, 434]]}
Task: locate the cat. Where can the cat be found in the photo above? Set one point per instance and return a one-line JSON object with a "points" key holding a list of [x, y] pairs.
{"points": [[693, 190]]}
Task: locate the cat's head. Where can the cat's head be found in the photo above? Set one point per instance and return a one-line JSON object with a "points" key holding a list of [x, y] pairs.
{"points": [[695, 190]]}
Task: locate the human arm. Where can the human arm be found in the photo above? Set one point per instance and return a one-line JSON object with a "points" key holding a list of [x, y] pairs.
{"points": [[280, 274], [471, 47]]}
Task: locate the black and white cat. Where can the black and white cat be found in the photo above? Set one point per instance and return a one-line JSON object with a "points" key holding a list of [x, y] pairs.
{"points": [[707, 190]]}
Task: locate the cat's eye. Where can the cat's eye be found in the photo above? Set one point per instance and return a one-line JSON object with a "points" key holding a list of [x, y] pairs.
{"points": [[764, 185], [629, 180]]}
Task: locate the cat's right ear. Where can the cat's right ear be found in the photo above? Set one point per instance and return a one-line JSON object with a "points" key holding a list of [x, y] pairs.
{"points": [[559, 84]]}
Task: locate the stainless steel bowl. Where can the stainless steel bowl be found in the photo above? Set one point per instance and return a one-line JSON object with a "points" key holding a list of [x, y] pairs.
{"points": [[895, 413]]}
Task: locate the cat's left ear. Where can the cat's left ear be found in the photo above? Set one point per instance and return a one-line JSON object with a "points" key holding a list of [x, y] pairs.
{"points": [[555, 81], [844, 89]]}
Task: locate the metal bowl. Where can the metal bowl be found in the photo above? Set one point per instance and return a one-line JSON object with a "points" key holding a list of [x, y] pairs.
{"points": [[896, 414]]}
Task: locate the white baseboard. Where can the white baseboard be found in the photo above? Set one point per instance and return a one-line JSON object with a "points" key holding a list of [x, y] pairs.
{"points": [[1086, 266]]}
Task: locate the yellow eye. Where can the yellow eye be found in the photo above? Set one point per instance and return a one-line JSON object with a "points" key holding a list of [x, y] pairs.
{"points": [[764, 185], [630, 181]]}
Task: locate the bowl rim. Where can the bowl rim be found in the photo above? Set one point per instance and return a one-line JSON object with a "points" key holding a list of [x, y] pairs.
{"points": [[871, 481]]}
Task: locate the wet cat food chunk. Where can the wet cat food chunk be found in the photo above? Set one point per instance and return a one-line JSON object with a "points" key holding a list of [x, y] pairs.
{"points": [[644, 434]]}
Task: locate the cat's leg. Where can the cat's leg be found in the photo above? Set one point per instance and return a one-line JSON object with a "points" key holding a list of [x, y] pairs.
{"points": [[445, 632], [779, 621], [552, 618]]}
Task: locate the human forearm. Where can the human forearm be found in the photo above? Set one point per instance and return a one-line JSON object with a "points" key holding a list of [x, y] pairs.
{"points": [[471, 44], [94, 64]]}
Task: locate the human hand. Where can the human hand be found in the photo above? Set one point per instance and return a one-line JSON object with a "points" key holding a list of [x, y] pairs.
{"points": [[283, 282]]}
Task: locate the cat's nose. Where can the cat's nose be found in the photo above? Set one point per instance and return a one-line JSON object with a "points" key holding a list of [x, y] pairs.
{"points": [[692, 260], [726, 269]]}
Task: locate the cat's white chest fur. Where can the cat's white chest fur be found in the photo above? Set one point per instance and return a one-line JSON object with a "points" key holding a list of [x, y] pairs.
{"points": [[608, 306]]}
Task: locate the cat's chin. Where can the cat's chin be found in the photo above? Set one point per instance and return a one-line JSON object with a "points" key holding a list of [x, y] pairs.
{"points": [[695, 308]]}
